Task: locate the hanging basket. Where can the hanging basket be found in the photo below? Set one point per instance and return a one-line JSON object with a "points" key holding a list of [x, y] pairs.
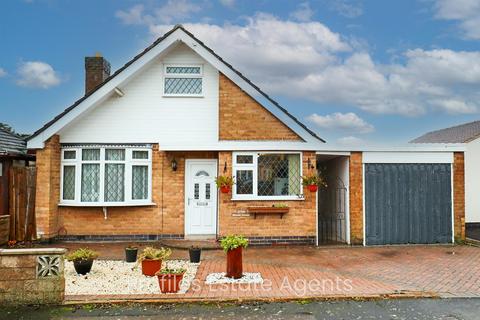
{"points": [[225, 189], [312, 188]]}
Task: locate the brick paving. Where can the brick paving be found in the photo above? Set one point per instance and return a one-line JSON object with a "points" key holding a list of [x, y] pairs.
{"points": [[309, 272]]}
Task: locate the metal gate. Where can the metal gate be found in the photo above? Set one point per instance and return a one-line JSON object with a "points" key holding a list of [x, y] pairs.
{"points": [[331, 212], [408, 203]]}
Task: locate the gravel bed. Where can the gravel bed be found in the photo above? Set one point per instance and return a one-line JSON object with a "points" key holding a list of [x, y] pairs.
{"points": [[117, 277], [248, 277]]}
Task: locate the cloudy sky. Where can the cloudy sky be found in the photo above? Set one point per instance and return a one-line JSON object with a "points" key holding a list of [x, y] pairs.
{"points": [[355, 71]]}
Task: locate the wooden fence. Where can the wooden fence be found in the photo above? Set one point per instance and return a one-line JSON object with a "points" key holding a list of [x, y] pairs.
{"points": [[22, 203]]}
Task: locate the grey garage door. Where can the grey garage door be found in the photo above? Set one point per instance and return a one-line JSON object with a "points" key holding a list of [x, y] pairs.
{"points": [[408, 203]]}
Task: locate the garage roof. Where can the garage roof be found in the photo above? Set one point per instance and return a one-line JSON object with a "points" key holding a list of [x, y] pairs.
{"points": [[458, 134]]}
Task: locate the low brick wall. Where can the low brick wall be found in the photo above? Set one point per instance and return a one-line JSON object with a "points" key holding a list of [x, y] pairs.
{"points": [[31, 276], [4, 229]]}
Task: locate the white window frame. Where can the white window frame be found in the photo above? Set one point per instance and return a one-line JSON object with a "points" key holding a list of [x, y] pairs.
{"points": [[183, 75], [129, 162], [254, 167]]}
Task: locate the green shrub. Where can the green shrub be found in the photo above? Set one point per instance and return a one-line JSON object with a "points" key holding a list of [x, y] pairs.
{"points": [[314, 180], [233, 242], [150, 253], [224, 181], [82, 254]]}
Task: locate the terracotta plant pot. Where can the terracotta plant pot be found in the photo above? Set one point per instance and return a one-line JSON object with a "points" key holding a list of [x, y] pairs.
{"points": [[169, 283], [150, 267], [312, 188], [234, 263], [225, 189], [83, 266]]}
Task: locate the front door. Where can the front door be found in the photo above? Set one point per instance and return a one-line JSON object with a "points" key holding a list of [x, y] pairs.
{"points": [[200, 197]]}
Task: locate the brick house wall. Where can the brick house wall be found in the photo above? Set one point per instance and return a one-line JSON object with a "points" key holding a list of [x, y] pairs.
{"points": [[356, 198], [459, 195], [242, 118]]}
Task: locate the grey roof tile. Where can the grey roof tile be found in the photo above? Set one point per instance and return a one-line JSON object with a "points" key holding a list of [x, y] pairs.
{"points": [[11, 143], [458, 134]]}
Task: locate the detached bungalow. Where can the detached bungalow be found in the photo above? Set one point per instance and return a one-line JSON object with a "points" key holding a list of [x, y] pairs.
{"points": [[137, 156]]}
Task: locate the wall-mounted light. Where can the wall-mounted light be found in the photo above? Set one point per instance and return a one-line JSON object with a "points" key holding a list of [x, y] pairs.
{"points": [[309, 164], [174, 164], [225, 167]]}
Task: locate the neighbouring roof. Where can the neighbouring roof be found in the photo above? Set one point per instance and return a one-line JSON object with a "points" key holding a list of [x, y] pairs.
{"points": [[11, 143], [154, 44], [458, 134]]}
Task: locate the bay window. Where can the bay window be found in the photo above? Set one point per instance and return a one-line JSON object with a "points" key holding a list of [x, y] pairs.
{"points": [[106, 175], [267, 176]]}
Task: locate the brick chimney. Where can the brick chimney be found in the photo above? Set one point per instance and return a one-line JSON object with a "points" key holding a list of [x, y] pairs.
{"points": [[97, 69]]}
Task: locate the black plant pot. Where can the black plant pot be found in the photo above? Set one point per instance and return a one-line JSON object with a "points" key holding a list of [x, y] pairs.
{"points": [[195, 255], [83, 266], [131, 254]]}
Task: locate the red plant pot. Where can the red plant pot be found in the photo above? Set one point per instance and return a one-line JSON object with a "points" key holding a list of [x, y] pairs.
{"points": [[169, 283], [234, 263], [313, 188], [150, 267], [225, 189]]}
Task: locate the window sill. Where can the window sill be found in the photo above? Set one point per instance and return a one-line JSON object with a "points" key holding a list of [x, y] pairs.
{"points": [[101, 205], [183, 96], [277, 198]]}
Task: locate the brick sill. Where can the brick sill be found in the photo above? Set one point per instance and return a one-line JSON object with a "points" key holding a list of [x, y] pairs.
{"points": [[101, 205]]}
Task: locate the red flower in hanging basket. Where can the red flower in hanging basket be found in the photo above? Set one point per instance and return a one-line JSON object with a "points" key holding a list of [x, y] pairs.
{"points": [[225, 189], [313, 188]]}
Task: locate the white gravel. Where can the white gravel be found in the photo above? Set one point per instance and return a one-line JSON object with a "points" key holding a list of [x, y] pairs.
{"points": [[117, 277], [248, 277]]}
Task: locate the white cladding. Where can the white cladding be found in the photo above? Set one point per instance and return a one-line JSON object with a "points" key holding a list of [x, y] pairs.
{"points": [[144, 115], [472, 181]]}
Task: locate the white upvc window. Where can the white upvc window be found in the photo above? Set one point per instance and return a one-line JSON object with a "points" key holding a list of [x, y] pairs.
{"points": [[267, 176], [106, 176], [182, 80]]}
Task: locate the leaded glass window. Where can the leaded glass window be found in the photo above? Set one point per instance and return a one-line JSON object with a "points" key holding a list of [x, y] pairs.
{"points": [[207, 191], [69, 183], [105, 175], [266, 175], [183, 81], [114, 182], [115, 154], [139, 182], [90, 182]]}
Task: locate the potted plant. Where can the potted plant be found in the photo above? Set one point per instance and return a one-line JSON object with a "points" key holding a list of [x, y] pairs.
{"points": [[224, 183], [194, 253], [151, 259], [169, 279], [312, 182], [82, 260], [233, 245], [131, 253]]}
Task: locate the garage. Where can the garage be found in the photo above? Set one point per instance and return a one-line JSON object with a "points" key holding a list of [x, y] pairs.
{"points": [[408, 202]]}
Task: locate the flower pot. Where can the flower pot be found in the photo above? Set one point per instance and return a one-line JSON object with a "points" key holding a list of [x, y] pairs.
{"points": [[131, 254], [169, 283], [312, 188], [234, 263], [83, 266], [225, 189], [150, 267], [194, 254]]}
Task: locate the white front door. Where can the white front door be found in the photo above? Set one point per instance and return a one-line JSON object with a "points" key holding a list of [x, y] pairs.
{"points": [[200, 197]]}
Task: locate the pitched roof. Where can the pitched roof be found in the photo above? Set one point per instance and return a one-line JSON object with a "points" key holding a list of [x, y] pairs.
{"points": [[154, 44], [458, 134], [11, 143]]}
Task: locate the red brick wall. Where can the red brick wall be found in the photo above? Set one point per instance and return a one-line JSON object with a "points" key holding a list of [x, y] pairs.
{"points": [[459, 195], [48, 187], [299, 221], [242, 118], [356, 198]]}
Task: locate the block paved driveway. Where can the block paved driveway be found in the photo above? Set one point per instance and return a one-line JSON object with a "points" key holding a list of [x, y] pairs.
{"points": [[294, 272]]}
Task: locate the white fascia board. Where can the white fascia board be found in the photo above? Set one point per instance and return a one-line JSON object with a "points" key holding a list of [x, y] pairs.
{"points": [[102, 93], [436, 147], [408, 157]]}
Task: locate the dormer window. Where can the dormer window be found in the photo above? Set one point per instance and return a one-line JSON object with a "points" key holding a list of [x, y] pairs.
{"points": [[183, 80]]}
